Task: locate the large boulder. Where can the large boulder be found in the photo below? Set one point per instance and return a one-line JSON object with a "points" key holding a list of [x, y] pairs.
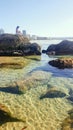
{"points": [[17, 45], [63, 48]]}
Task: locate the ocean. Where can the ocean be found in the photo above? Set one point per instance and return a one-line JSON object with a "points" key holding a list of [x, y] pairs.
{"points": [[46, 104]]}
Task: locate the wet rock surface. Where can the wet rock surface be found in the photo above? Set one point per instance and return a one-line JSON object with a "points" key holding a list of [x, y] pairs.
{"points": [[62, 63]]}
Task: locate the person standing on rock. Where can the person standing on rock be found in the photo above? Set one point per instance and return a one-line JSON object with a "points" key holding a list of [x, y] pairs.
{"points": [[17, 30]]}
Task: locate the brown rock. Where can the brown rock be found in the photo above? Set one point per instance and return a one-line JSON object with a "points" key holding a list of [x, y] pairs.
{"points": [[62, 63]]}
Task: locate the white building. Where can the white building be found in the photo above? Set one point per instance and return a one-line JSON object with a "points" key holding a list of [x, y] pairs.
{"points": [[24, 32], [1, 31]]}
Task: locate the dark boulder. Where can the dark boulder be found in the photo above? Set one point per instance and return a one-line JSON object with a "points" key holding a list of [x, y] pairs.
{"points": [[44, 51], [35, 49], [17, 45], [30, 49], [63, 48]]}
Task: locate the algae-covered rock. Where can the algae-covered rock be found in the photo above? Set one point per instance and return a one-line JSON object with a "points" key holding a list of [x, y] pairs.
{"points": [[13, 62]]}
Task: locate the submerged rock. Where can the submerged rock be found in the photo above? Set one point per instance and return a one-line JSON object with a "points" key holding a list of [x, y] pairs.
{"points": [[53, 93], [13, 89], [33, 80], [62, 63]]}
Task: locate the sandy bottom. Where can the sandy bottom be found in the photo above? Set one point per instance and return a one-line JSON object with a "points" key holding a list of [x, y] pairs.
{"points": [[45, 114]]}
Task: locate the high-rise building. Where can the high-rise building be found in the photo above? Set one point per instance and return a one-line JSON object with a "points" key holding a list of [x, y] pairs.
{"points": [[1, 31], [24, 32]]}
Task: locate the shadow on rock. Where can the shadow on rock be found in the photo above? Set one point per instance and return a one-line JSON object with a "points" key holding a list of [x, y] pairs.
{"points": [[70, 98], [11, 89], [6, 116], [53, 94]]}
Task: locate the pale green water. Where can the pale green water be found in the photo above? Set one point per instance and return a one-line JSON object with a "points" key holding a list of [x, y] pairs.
{"points": [[39, 114]]}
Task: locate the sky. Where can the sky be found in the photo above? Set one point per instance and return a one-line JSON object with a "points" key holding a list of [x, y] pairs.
{"points": [[51, 18]]}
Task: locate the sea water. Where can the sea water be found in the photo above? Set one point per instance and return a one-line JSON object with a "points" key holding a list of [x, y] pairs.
{"points": [[47, 113]]}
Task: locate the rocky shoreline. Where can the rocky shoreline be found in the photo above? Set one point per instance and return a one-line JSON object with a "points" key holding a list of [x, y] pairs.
{"points": [[63, 49]]}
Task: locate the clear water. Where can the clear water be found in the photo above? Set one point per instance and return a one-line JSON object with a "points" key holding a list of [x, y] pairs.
{"points": [[45, 114], [68, 73], [10, 75]]}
